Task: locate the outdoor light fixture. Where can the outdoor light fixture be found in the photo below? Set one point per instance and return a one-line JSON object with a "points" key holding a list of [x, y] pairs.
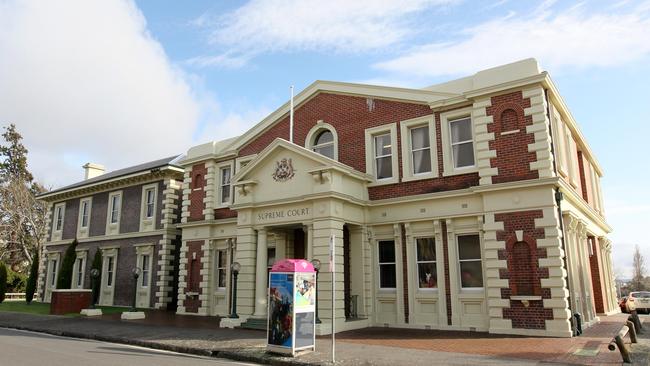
{"points": [[316, 263], [94, 274], [136, 273], [235, 267]]}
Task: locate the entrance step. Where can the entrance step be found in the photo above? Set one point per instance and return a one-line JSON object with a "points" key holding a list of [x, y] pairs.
{"points": [[254, 323]]}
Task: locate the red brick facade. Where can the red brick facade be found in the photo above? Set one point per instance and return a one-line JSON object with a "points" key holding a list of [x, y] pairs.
{"points": [[510, 138], [193, 278], [524, 274], [69, 301], [197, 194], [599, 300]]}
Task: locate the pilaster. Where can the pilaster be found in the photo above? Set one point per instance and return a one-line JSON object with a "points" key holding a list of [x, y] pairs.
{"points": [[483, 138], [540, 128]]}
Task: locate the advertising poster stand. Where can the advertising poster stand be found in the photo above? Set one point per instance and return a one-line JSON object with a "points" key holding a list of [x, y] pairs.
{"points": [[291, 325]]}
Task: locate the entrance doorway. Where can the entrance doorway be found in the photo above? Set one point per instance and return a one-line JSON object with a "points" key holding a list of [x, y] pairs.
{"points": [[350, 308]]}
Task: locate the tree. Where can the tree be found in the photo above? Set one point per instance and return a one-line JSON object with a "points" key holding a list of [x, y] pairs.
{"points": [[15, 154], [22, 215], [64, 280], [638, 271], [3, 281], [30, 288]]}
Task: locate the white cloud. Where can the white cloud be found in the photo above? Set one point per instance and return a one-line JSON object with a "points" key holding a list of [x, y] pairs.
{"points": [[567, 38], [337, 25], [85, 81]]}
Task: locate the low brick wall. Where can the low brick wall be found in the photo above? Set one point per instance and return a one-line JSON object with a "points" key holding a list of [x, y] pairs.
{"points": [[69, 301]]}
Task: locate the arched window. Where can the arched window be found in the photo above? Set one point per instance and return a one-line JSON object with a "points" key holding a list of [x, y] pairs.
{"points": [[198, 181], [324, 144], [522, 269], [509, 120], [323, 139]]}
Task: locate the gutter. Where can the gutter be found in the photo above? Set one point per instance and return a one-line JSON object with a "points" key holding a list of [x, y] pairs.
{"points": [[558, 201]]}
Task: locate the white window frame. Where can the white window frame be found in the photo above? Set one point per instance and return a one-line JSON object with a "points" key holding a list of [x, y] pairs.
{"points": [[53, 272], [83, 256], [219, 187], [113, 228], [379, 264], [560, 142], [315, 131], [407, 150], [458, 260], [217, 270], [146, 270], [110, 270], [371, 169], [58, 216], [447, 150], [572, 156], [83, 231], [418, 262], [148, 223], [241, 162]]}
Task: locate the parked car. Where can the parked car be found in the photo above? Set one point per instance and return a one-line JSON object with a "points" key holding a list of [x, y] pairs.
{"points": [[639, 300], [622, 302]]}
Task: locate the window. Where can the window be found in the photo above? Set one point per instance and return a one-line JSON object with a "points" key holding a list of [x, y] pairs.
{"points": [[426, 263], [145, 270], [85, 208], [462, 142], [387, 269], [58, 225], [198, 181], [53, 273], [109, 271], [420, 150], [383, 156], [80, 272], [150, 201], [221, 269], [224, 184], [115, 209], [324, 144], [469, 258]]}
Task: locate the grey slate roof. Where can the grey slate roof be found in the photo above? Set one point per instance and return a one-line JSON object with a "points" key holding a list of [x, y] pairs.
{"points": [[172, 160]]}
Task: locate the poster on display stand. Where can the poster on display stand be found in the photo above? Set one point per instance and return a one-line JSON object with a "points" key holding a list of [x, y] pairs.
{"points": [[292, 306]]}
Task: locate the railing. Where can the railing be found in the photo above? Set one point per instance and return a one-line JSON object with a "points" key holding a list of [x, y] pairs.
{"points": [[15, 296]]}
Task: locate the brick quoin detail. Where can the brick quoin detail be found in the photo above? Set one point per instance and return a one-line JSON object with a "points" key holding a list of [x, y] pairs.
{"points": [[445, 249], [197, 194], [595, 276], [533, 316], [193, 278], [513, 159]]}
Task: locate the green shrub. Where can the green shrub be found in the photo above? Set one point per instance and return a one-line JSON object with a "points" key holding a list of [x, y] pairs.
{"points": [[3, 281], [65, 273], [15, 281], [30, 288], [97, 264]]}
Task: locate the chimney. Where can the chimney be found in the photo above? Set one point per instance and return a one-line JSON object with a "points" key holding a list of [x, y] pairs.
{"points": [[92, 170]]}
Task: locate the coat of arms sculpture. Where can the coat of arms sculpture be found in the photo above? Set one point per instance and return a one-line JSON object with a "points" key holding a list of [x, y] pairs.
{"points": [[283, 170]]}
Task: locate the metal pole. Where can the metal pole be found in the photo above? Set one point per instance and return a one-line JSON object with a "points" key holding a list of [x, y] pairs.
{"points": [[291, 118], [317, 318], [135, 292], [234, 315]]}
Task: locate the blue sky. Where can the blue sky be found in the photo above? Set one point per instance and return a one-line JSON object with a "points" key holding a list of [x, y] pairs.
{"points": [[90, 81]]}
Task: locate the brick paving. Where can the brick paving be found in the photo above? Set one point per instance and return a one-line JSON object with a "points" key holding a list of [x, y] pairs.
{"points": [[372, 346]]}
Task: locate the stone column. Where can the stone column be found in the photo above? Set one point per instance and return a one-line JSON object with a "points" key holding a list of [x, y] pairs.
{"points": [[260, 274], [245, 254], [309, 242]]}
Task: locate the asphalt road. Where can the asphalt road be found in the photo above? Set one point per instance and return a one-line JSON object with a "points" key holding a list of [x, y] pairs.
{"points": [[35, 349]]}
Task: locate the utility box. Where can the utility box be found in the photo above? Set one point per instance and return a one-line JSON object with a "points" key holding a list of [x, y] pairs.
{"points": [[292, 307]]}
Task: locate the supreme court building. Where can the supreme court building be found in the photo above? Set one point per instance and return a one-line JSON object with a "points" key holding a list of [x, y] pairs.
{"points": [[473, 204]]}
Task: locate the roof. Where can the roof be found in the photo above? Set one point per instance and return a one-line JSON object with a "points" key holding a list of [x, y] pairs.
{"points": [[169, 161]]}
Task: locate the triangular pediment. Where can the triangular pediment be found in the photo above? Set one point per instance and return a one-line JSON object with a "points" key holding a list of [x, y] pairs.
{"points": [[285, 170]]}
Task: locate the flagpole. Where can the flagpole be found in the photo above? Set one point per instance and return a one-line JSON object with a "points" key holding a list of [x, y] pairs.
{"points": [[291, 117]]}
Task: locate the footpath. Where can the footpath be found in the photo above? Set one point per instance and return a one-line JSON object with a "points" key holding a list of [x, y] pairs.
{"points": [[372, 346]]}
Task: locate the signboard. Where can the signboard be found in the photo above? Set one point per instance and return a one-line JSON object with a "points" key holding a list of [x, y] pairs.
{"points": [[292, 306]]}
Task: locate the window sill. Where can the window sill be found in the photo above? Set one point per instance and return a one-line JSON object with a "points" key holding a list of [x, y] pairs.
{"points": [[414, 177], [383, 182], [460, 171], [525, 298]]}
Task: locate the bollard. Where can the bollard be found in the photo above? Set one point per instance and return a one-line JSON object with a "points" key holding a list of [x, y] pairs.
{"points": [[625, 354], [578, 323], [634, 317], [632, 331]]}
